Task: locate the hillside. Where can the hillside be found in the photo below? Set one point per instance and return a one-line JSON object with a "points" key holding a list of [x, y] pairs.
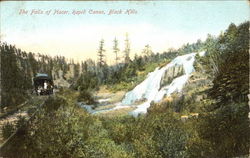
{"points": [[190, 102]]}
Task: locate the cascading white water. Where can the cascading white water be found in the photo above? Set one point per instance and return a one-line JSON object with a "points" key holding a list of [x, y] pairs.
{"points": [[150, 89]]}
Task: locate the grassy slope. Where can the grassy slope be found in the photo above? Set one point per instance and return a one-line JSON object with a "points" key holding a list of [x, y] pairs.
{"points": [[140, 76]]}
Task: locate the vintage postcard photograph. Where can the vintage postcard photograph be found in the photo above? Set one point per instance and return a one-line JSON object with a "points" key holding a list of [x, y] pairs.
{"points": [[124, 79]]}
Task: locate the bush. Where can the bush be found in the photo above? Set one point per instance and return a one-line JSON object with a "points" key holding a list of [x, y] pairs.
{"points": [[226, 130], [52, 104], [86, 97], [7, 130], [160, 135], [21, 122]]}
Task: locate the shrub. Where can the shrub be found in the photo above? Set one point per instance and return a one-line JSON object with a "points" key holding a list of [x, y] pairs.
{"points": [[52, 104], [86, 97], [7, 130]]}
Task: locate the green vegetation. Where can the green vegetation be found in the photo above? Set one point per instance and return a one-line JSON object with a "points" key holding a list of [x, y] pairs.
{"points": [[86, 97], [217, 91], [7, 130], [14, 84], [137, 76], [227, 122], [19, 67], [75, 133]]}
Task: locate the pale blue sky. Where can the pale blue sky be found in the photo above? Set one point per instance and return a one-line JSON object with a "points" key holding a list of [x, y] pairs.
{"points": [[161, 24]]}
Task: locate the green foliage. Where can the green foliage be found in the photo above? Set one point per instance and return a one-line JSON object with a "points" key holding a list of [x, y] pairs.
{"points": [[232, 80], [52, 104], [65, 132], [222, 133], [14, 83], [127, 50], [155, 135], [132, 74], [122, 86], [160, 135], [86, 97], [126, 75], [101, 55], [74, 133], [21, 122], [116, 50], [62, 129], [7, 130], [18, 68], [87, 80], [190, 48], [223, 128]]}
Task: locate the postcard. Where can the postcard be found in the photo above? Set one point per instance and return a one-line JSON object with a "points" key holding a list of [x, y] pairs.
{"points": [[124, 79]]}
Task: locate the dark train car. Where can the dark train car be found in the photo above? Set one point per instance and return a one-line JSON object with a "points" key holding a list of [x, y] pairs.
{"points": [[43, 84]]}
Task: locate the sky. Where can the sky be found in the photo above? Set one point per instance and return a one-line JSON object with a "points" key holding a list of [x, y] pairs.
{"points": [[37, 26]]}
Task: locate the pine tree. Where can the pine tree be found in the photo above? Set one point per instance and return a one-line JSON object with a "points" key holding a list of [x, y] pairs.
{"points": [[147, 50], [12, 82], [116, 50], [101, 55], [33, 63], [127, 50]]}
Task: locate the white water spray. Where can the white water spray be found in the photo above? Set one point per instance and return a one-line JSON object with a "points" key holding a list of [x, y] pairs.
{"points": [[150, 89]]}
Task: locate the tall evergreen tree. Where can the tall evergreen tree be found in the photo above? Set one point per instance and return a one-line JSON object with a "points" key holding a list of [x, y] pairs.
{"points": [[127, 50], [147, 50], [12, 79], [101, 61], [116, 50]]}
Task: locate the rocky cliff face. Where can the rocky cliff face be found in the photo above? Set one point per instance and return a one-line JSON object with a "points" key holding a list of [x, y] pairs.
{"points": [[71, 73], [160, 83], [59, 80], [171, 74]]}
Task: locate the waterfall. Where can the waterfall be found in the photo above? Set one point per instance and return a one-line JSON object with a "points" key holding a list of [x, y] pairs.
{"points": [[151, 90]]}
